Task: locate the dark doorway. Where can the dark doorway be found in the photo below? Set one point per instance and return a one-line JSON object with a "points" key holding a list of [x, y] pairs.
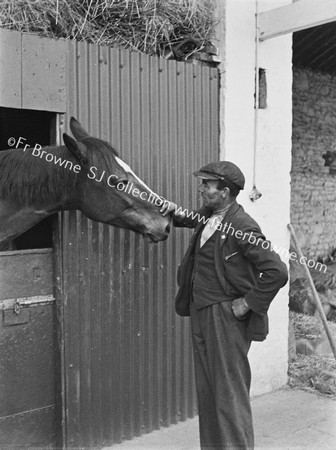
{"points": [[36, 127]]}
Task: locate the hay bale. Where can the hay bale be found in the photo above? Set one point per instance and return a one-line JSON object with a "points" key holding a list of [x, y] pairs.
{"points": [[148, 26]]}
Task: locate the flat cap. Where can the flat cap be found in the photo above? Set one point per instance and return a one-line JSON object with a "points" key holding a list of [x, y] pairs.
{"points": [[222, 170]]}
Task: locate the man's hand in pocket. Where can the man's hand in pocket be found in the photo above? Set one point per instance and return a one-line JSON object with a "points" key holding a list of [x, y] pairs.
{"points": [[240, 308]]}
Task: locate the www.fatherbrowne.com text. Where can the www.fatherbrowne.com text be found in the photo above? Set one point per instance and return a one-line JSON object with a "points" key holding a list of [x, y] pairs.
{"points": [[227, 228], [112, 181]]}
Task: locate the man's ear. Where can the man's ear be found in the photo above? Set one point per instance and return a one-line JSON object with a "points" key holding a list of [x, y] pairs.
{"points": [[78, 150], [226, 191]]}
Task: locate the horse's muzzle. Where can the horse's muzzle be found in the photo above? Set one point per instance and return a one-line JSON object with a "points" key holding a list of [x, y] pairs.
{"points": [[155, 237]]}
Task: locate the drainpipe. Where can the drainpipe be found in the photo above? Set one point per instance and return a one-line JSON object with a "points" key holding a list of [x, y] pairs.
{"points": [[255, 194]]}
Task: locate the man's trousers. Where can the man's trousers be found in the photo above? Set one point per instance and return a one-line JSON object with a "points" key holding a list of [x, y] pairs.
{"points": [[223, 377]]}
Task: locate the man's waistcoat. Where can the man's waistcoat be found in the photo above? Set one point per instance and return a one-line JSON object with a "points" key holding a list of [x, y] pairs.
{"points": [[206, 287]]}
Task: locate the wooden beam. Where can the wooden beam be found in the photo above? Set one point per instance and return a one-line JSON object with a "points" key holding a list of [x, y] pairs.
{"points": [[295, 16]]}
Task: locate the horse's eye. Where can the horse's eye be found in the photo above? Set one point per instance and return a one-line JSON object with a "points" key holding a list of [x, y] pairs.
{"points": [[121, 182], [114, 181]]}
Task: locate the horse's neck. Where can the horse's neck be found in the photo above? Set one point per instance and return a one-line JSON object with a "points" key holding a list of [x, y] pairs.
{"points": [[28, 179], [15, 222], [17, 216]]}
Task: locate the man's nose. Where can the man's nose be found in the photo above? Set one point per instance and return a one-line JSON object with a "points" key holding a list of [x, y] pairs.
{"points": [[200, 188]]}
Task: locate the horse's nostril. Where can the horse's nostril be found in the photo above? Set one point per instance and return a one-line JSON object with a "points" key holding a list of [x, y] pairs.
{"points": [[168, 228]]}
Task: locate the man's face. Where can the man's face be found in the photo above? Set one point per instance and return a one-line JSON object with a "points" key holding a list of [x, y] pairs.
{"points": [[211, 196]]}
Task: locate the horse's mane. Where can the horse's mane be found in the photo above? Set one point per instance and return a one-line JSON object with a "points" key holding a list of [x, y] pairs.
{"points": [[25, 178]]}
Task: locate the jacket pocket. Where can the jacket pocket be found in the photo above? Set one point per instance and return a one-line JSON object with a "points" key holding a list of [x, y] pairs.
{"points": [[237, 273], [257, 328], [227, 257]]}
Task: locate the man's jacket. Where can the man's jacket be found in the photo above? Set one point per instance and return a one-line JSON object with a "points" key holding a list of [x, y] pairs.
{"points": [[245, 265]]}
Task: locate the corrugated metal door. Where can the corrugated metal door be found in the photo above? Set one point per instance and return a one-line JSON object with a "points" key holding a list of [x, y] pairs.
{"points": [[127, 356]]}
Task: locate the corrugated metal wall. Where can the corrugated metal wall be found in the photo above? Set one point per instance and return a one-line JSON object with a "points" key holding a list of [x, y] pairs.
{"points": [[127, 356]]}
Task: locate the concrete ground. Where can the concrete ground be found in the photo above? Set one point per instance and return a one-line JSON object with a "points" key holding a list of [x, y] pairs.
{"points": [[285, 419]]}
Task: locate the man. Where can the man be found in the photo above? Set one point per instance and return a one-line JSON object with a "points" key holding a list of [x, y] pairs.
{"points": [[227, 280]]}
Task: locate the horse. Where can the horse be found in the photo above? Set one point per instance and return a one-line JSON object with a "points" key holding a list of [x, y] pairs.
{"points": [[85, 174]]}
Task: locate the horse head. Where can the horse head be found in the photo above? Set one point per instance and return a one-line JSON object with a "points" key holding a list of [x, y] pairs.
{"points": [[109, 191]]}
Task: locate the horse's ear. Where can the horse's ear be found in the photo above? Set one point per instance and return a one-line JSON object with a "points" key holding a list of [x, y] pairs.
{"points": [[77, 129], [77, 149]]}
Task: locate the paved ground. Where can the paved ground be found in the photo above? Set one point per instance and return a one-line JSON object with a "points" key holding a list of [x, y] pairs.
{"points": [[285, 419]]}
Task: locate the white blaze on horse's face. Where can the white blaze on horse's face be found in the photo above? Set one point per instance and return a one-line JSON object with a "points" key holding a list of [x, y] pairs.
{"points": [[144, 205], [127, 169]]}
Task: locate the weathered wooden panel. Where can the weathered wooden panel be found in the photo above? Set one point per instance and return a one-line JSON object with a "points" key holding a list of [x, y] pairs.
{"points": [[127, 356], [11, 317], [29, 429], [10, 68], [43, 73], [26, 273], [27, 392]]}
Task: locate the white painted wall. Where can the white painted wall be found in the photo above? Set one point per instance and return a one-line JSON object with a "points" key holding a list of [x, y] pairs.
{"points": [[269, 360]]}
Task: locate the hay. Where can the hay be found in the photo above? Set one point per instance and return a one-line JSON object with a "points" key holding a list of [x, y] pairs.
{"points": [[147, 26], [313, 373], [306, 326]]}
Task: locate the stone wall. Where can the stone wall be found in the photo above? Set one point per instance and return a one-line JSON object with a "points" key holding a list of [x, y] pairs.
{"points": [[313, 188]]}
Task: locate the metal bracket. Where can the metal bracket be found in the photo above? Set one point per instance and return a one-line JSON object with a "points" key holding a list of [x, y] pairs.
{"points": [[17, 304]]}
